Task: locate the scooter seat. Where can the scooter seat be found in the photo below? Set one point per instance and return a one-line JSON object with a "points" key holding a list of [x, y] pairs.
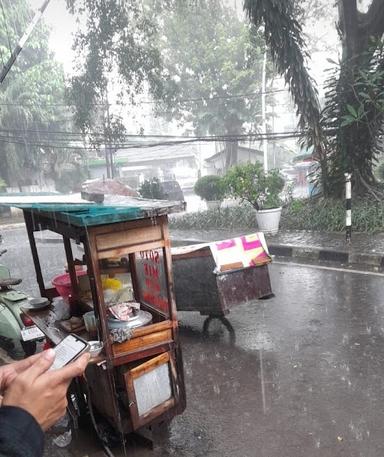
{"points": [[5, 282]]}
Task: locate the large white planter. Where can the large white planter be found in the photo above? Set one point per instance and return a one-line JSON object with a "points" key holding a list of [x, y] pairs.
{"points": [[268, 220], [213, 204]]}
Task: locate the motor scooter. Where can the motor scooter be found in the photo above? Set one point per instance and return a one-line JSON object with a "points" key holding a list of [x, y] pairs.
{"points": [[18, 334]]}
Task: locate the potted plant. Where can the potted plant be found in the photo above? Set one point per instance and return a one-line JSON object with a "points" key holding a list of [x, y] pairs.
{"points": [[262, 190], [210, 188]]}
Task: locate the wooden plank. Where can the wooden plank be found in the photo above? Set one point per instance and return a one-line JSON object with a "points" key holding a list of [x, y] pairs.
{"points": [[36, 261], [71, 268], [156, 412], [146, 330], [140, 354], [101, 313], [130, 237], [150, 365], [141, 342], [135, 284], [97, 292], [168, 270], [125, 250]]}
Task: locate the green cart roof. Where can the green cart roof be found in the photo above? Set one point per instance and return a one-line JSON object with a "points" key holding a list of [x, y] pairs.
{"points": [[81, 213]]}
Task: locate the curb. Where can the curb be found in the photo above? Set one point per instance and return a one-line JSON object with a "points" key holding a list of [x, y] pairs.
{"points": [[312, 253], [12, 225], [331, 255]]}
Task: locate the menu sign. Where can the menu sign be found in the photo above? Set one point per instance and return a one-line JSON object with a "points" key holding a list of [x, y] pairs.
{"points": [[151, 279]]}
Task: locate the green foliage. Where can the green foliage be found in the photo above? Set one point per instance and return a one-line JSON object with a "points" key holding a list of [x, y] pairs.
{"points": [[209, 57], [242, 216], [324, 215], [249, 183], [152, 189], [30, 100], [328, 215], [210, 188], [353, 116], [3, 184], [116, 45], [284, 38]]}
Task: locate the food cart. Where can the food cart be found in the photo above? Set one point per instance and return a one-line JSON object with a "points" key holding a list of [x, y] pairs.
{"points": [[136, 383], [213, 278]]}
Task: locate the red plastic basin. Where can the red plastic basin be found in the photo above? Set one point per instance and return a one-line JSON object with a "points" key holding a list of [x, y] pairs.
{"points": [[63, 285]]}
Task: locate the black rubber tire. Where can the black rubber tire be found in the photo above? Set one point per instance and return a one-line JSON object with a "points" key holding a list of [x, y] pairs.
{"points": [[224, 321]]}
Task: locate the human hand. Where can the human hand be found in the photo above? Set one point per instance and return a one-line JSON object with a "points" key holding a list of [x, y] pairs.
{"points": [[9, 372], [42, 393]]}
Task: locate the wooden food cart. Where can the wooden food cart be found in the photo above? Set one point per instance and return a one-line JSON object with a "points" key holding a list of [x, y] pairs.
{"points": [[139, 382], [201, 286]]}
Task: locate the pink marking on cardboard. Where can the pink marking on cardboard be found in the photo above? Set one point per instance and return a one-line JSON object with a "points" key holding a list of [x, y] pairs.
{"points": [[249, 245], [226, 244]]}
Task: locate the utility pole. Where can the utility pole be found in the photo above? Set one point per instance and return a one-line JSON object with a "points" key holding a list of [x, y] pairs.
{"points": [[107, 138], [263, 111], [111, 163], [22, 41]]}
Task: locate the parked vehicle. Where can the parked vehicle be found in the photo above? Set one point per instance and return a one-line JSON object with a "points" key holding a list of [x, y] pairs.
{"points": [[18, 334], [172, 191]]}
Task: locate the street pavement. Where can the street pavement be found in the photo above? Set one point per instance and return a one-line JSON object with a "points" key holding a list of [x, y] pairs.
{"points": [[304, 376]]}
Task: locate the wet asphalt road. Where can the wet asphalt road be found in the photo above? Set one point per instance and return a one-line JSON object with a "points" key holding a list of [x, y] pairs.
{"points": [[305, 376]]}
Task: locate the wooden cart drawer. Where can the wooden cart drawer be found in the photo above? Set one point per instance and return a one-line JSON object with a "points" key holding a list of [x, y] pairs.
{"points": [[145, 337]]}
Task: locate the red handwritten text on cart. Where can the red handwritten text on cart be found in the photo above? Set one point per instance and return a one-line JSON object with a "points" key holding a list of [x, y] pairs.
{"points": [[151, 286]]}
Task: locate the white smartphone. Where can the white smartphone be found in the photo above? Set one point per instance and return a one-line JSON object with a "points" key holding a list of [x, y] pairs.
{"points": [[68, 350]]}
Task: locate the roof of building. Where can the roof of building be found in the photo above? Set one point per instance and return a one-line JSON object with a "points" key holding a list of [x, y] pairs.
{"points": [[240, 148], [156, 153]]}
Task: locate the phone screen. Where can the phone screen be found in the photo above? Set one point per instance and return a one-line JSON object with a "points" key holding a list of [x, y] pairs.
{"points": [[67, 350]]}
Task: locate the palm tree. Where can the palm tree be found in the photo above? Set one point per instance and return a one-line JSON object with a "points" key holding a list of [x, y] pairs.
{"points": [[351, 121]]}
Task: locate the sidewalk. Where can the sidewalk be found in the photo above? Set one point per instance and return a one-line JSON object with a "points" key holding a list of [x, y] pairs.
{"points": [[365, 249]]}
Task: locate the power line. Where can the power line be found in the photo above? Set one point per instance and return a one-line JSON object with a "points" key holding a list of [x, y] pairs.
{"points": [[143, 102], [185, 140], [132, 135]]}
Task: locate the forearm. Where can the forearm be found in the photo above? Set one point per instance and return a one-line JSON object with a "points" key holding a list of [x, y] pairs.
{"points": [[20, 434]]}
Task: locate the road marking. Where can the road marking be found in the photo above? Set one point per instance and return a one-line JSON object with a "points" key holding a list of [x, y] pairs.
{"points": [[323, 267]]}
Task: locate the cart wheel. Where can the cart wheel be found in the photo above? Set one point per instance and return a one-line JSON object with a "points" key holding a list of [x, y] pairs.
{"points": [[224, 321]]}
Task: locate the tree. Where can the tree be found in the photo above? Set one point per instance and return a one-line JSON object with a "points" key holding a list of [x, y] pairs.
{"points": [[211, 58], [354, 111], [116, 47], [351, 145], [30, 99]]}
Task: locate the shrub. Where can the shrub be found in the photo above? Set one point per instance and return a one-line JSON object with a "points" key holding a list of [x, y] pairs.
{"points": [[249, 183], [315, 214], [210, 188], [151, 188]]}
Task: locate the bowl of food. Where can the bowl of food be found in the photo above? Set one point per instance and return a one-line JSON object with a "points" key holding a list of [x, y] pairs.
{"points": [[95, 348]]}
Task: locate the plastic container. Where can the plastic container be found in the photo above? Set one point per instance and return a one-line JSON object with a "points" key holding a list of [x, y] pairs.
{"points": [[63, 285], [95, 348], [90, 322]]}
